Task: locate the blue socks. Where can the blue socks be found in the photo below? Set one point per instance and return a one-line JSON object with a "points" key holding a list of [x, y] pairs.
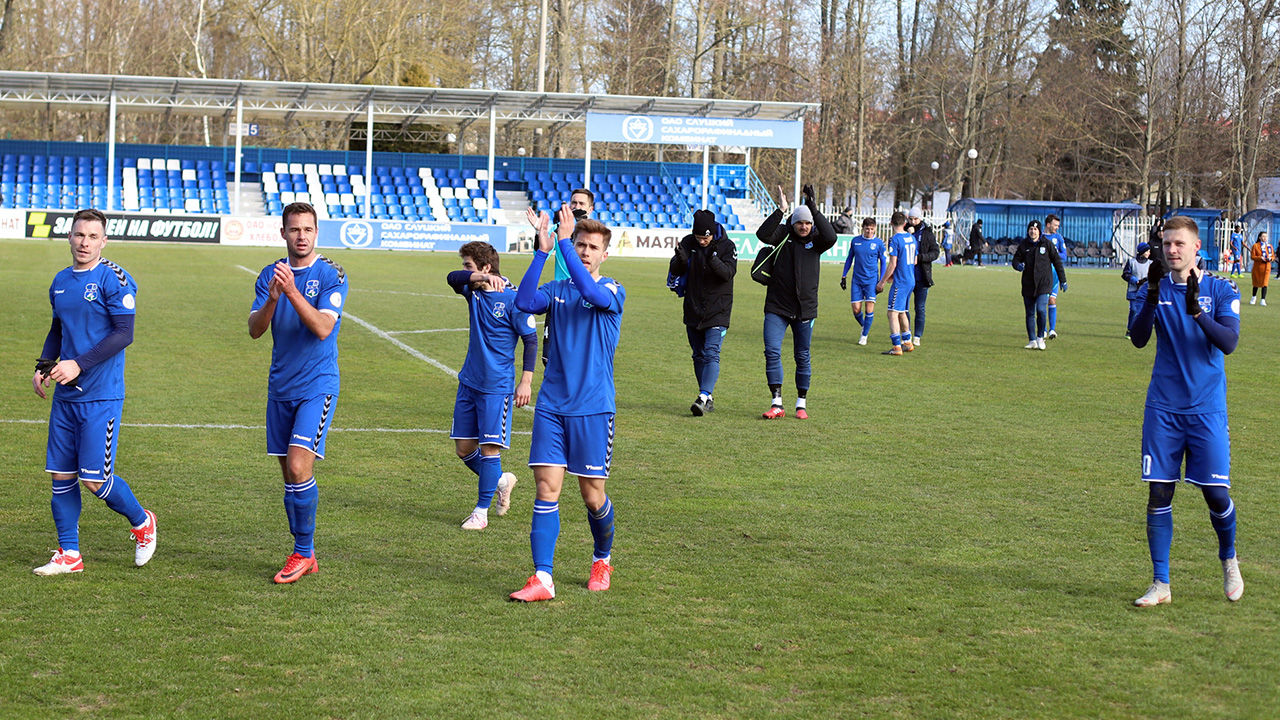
{"points": [[1053, 317], [490, 472], [543, 532], [300, 501], [859, 317], [1159, 539], [66, 513], [896, 339], [472, 461], [115, 492], [867, 319], [601, 522], [1222, 515]]}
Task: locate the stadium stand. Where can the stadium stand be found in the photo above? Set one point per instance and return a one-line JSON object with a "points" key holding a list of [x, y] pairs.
{"points": [[181, 179]]}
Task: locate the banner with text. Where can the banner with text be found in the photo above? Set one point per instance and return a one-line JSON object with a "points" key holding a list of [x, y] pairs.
{"points": [[407, 235], [13, 223], [130, 226], [748, 245], [256, 231], [674, 130]]}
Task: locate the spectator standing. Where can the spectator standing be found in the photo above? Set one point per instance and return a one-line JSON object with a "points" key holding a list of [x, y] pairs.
{"points": [[709, 259]]}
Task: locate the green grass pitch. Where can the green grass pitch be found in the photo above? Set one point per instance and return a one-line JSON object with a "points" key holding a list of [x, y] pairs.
{"points": [[955, 533]]}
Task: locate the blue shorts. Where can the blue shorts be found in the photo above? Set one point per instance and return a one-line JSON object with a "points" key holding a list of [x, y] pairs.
{"points": [[862, 291], [483, 417], [299, 423], [582, 444], [1205, 440], [900, 296], [83, 438]]}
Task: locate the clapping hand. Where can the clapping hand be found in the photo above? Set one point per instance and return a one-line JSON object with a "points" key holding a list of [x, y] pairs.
{"points": [[1193, 293], [1155, 274], [783, 205], [541, 223]]}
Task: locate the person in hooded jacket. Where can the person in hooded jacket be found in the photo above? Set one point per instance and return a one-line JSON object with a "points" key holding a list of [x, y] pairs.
{"points": [[1036, 258], [791, 297], [708, 259]]}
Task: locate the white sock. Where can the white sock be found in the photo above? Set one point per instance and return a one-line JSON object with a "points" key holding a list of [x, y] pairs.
{"points": [[777, 400], [71, 553], [704, 396], [800, 403], [606, 559], [482, 512], [545, 578]]}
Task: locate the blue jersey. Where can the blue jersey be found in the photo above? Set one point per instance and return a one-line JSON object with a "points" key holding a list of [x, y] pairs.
{"points": [[578, 379], [1061, 246], [1237, 245], [83, 302], [867, 257], [302, 365], [496, 324], [1188, 374], [903, 246]]}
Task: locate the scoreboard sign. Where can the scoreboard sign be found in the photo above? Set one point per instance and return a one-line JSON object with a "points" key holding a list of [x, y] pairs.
{"points": [[131, 226]]}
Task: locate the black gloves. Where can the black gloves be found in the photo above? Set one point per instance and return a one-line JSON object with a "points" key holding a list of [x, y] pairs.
{"points": [[682, 252], [44, 366], [1193, 294], [1155, 274], [808, 194], [844, 283]]}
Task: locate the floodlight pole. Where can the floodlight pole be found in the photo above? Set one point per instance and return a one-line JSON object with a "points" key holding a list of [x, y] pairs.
{"points": [[111, 152], [706, 163], [493, 131], [368, 161], [795, 192], [542, 49], [586, 168], [235, 206]]}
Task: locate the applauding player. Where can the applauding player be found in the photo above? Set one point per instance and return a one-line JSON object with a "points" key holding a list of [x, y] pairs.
{"points": [[302, 387], [574, 421], [867, 259], [482, 411], [1196, 317]]}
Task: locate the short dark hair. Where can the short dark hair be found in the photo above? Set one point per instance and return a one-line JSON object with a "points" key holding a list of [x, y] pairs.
{"points": [[583, 191], [481, 253], [1052, 218], [868, 222], [898, 218], [90, 214], [587, 225], [1182, 222], [297, 208]]}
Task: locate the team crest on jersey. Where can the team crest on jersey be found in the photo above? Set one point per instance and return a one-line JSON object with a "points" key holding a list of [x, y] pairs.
{"points": [[499, 310], [1206, 304], [91, 292], [313, 288]]}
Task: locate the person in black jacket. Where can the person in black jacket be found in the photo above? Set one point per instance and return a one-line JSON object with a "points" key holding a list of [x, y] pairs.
{"points": [[976, 243], [791, 298], [1037, 259], [926, 252], [709, 260]]}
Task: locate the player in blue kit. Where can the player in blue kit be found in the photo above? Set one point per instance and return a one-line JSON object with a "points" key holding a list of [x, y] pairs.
{"points": [[1196, 318], [1237, 251], [1051, 234], [487, 393], [573, 424], [302, 386], [867, 258], [94, 302], [902, 269]]}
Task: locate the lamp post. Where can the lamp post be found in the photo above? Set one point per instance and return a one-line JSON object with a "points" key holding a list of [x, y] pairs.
{"points": [[933, 185]]}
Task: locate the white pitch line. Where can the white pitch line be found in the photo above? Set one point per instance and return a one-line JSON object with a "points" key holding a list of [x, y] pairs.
{"points": [[219, 426], [419, 332], [406, 292]]}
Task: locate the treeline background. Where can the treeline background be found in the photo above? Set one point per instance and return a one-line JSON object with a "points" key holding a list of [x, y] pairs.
{"points": [[1167, 102]]}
